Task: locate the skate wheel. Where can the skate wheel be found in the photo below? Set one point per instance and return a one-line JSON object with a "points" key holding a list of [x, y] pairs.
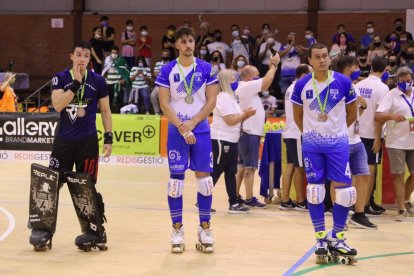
{"points": [[328, 259], [198, 247], [103, 247], [178, 249], [352, 261], [40, 248], [343, 260]]}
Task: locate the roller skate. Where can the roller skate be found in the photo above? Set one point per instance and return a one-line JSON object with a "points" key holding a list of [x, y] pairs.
{"points": [[41, 240], [205, 238], [90, 240], [322, 248], [177, 238], [340, 251]]}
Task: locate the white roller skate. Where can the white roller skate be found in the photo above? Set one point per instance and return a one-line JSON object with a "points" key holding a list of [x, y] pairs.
{"points": [[177, 238], [322, 248], [340, 251], [205, 238]]}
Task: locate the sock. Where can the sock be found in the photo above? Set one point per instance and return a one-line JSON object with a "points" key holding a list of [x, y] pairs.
{"points": [[317, 215], [176, 209], [204, 207], [340, 214]]}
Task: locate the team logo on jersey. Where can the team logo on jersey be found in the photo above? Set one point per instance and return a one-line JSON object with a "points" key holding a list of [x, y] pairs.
{"points": [[352, 91], [309, 94], [71, 111], [197, 77], [334, 93], [177, 77]]}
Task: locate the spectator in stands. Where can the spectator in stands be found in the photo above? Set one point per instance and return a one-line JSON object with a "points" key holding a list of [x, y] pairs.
{"points": [[168, 41], [392, 66], [269, 103], [108, 34], [98, 53], [260, 39], [367, 38], [393, 43], [340, 45], [238, 64], [377, 49], [339, 30], [186, 24], [219, 45], [8, 99], [145, 45], [363, 64], [116, 75], [290, 60], [165, 58], [128, 40], [407, 57], [399, 29], [205, 36], [248, 39], [310, 39], [217, 62], [139, 76], [203, 53], [237, 46]]}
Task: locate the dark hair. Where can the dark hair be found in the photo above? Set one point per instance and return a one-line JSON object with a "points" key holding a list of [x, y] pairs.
{"points": [[143, 60], [234, 64], [235, 25], [143, 27], [183, 31], [378, 64], [82, 44], [104, 18], [398, 20], [302, 69], [316, 46], [217, 31], [362, 52], [171, 27], [338, 38], [340, 25], [308, 29], [129, 22], [115, 48], [95, 28], [370, 22], [345, 62], [221, 56], [265, 25], [393, 55]]}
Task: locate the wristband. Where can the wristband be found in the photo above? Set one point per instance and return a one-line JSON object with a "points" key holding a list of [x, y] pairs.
{"points": [[74, 87], [108, 138]]}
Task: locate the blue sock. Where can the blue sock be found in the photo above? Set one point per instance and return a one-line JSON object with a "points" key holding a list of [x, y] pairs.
{"points": [[204, 207], [176, 209], [340, 214], [316, 212]]}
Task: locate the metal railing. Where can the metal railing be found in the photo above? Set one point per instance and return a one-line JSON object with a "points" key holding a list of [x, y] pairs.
{"points": [[38, 91]]}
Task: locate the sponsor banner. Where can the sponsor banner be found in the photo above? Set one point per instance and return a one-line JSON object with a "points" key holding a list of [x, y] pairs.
{"points": [[28, 131], [44, 156], [133, 134]]}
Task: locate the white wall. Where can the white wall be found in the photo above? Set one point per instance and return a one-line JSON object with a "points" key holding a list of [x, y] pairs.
{"points": [[365, 5], [36, 6]]}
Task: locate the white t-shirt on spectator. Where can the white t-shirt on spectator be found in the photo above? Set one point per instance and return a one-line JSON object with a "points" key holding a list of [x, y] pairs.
{"points": [[266, 59], [222, 47], [291, 130], [239, 49], [398, 135], [373, 90], [225, 105], [248, 96], [268, 102]]}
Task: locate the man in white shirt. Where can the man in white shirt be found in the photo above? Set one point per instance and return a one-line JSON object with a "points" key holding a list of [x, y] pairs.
{"points": [[248, 94], [373, 90], [397, 110], [292, 137], [219, 45]]}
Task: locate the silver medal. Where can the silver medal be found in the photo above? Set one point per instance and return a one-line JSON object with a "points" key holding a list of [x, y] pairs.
{"points": [[189, 99], [322, 117], [81, 112]]}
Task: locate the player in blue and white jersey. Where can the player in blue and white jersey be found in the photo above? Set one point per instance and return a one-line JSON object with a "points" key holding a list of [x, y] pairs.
{"points": [[187, 95], [324, 107]]}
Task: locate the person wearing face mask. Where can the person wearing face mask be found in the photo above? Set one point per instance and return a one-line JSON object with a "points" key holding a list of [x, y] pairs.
{"points": [[392, 66], [267, 49], [139, 76], [393, 43], [262, 37], [238, 64], [290, 60], [342, 29], [205, 36], [238, 46], [217, 62], [397, 110], [340, 45], [116, 75], [373, 90], [398, 30], [364, 67], [108, 34], [145, 45], [310, 39], [8, 99], [377, 49], [225, 134], [269, 104], [168, 41], [98, 53], [165, 58], [219, 45], [367, 38], [128, 40], [248, 93], [203, 53], [248, 39], [408, 57]]}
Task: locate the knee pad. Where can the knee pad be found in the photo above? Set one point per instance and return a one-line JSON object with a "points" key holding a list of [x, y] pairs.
{"points": [[345, 196], [175, 188], [315, 193], [205, 186]]}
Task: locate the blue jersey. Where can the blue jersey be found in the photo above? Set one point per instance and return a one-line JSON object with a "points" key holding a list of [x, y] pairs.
{"points": [[73, 127], [332, 135], [171, 77]]}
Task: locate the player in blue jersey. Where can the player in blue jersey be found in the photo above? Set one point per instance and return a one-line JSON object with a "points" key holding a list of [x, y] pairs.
{"points": [[187, 94], [76, 94], [324, 107]]}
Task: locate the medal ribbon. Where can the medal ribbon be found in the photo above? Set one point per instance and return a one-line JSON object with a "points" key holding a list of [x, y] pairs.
{"points": [[83, 87], [410, 105], [322, 107], [188, 89]]}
